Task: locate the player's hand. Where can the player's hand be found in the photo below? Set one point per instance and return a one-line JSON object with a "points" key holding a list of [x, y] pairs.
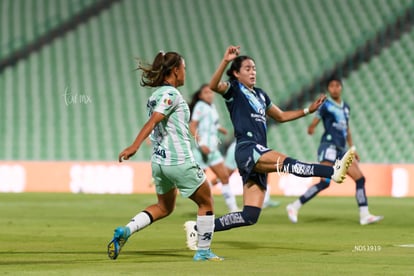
{"points": [[127, 153], [231, 53], [311, 130], [317, 103], [204, 149]]}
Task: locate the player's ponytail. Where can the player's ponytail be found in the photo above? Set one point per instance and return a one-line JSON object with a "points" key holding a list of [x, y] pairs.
{"points": [[153, 75]]}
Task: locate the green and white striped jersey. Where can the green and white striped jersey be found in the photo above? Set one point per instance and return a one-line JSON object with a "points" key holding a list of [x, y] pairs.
{"points": [[208, 123], [171, 138]]}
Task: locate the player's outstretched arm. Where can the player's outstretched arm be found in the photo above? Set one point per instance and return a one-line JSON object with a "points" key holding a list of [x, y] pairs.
{"points": [[215, 83], [284, 116], [145, 131], [312, 126]]}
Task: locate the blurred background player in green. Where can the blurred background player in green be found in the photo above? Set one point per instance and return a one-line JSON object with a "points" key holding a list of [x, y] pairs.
{"points": [[172, 163], [205, 127], [334, 113]]}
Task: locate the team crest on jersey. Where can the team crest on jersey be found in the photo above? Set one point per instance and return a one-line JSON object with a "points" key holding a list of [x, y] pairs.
{"points": [[200, 172], [346, 110], [167, 101], [263, 98]]}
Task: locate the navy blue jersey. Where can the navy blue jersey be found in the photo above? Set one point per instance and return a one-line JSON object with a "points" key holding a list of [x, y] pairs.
{"points": [[335, 119], [248, 112]]}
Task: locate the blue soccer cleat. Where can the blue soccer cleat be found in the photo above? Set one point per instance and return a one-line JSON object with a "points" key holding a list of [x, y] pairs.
{"points": [[206, 255], [121, 235]]}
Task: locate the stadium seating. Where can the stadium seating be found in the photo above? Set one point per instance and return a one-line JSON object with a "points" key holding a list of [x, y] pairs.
{"points": [[381, 95], [23, 21], [79, 97]]}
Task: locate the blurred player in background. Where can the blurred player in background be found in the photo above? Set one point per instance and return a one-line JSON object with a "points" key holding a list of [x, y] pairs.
{"points": [[334, 114], [248, 106], [205, 127], [173, 164]]}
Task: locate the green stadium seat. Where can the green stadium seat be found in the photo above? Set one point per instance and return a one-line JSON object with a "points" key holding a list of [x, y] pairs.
{"points": [[292, 41]]}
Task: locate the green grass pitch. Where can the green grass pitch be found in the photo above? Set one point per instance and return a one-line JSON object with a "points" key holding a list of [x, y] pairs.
{"points": [[67, 234]]}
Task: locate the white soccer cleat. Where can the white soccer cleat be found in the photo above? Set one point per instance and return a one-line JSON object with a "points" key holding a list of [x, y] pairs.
{"points": [[341, 166], [191, 234], [369, 219], [292, 213]]}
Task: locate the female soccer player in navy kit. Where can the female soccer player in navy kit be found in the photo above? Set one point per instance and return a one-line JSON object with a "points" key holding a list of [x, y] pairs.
{"points": [[248, 107], [334, 114]]}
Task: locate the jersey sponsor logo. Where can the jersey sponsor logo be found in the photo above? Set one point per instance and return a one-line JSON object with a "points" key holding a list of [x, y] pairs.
{"points": [[261, 148], [340, 125], [259, 117], [160, 152], [341, 115]]}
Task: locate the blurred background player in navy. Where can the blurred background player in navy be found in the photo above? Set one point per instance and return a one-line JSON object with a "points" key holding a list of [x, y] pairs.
{"points": [[334, 114]]}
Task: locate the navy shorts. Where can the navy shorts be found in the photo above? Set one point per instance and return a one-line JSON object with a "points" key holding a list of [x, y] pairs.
{"points": [[247, 154], [330, 152]]}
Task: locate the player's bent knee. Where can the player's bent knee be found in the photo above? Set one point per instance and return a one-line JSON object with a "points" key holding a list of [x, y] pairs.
{"points": [[251, 214]]}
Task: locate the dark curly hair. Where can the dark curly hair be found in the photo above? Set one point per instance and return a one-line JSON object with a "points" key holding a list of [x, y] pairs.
{"points": [[235, 66]]}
